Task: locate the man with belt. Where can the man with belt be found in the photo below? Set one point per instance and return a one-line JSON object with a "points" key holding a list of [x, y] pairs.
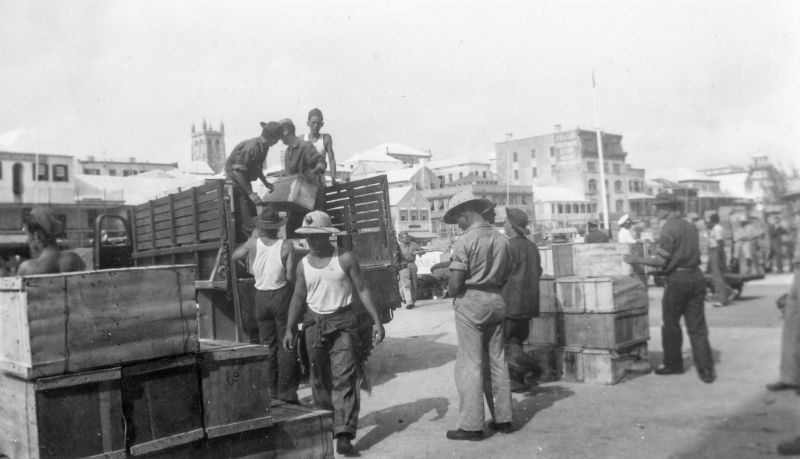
{"points": [[678, 256], [521, 295], [326, 280], [245, 164], [408, 275], [479, 268], [272, 263]]}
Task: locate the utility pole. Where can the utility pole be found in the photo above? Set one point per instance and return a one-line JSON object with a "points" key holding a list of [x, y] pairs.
{"points": [[601, 158]]}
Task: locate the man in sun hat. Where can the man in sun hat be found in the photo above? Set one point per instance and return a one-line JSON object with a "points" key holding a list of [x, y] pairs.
{"points": [[327, 278], [245, 164], [624, 234], [271, 260], [593, 234], [678, 257], [43, 227], [479, 268], [521, 295]]}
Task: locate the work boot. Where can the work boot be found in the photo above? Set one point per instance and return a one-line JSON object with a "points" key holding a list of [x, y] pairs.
{"points": [[459, 434], [344, 446], [779, 386], [502, 427]]}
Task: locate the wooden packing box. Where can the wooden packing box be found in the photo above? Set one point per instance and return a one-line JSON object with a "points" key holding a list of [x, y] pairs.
{"points": [[298, 433], [578, 295], [162, 404], [77, 415], [544, 330], [602, 366], [587, 260], [292, 193], [614, 330], [62, 323], [235, 387], [547, 295]]}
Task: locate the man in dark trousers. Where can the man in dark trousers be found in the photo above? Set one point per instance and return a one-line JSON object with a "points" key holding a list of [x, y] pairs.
{"points": [[327, 279], [594, 235], [272, 262], [408, 275], [521, 295], [678, 256], [302, 158], [479, 268], [245, 164]]}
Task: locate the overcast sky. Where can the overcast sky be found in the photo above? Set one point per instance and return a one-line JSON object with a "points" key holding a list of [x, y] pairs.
{"points": [[690, 84]]}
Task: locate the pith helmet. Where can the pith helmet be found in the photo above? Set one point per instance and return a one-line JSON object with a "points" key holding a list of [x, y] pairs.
{"points": [[461, 200]]}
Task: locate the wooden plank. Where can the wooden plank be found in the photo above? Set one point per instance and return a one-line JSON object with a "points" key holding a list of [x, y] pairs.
{"points": [[587, 260], [544, 330], [188, 248]]}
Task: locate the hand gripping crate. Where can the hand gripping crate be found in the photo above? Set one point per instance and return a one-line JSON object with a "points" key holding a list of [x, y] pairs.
{"points": [[162, 404], [235, 387], [75, 415], [578, 295]]}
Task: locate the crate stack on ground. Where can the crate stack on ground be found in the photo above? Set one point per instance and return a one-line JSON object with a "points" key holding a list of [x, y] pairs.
{"points": [[593, 321], [108, 364]]}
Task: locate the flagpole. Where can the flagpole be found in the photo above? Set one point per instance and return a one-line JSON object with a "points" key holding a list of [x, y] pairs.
{"points": [[601, 157]]}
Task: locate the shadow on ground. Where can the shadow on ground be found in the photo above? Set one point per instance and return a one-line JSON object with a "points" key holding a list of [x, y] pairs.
{"points": [[413, 353], [657, 357], [397, 418], [538, 399]]}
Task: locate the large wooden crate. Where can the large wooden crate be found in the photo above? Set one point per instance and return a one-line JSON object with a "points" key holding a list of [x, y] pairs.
{"points": [[292, 193], [578, 295], [614, 330], [60, 323], [544, 330], [602, 366], [547, 295], [77, 415], [162, 404], [235, 387], [587, 260]]}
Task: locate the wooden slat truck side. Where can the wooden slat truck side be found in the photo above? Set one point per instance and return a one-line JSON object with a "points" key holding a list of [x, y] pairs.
{"points": [[198, 226]]}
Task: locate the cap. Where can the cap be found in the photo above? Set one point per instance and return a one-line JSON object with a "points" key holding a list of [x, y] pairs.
{"points": [[317, 222], [623, 220]]}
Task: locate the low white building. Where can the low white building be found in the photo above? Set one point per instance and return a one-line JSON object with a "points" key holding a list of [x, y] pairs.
{"points": [[410, 211], [562, 207]]}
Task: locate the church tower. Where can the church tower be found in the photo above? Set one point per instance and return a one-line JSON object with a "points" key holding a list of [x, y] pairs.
{"points": [[208, 145]]}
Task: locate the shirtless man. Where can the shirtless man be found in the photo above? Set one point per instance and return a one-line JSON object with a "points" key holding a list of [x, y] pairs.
{"points": [[43, 227], [322, 142]]}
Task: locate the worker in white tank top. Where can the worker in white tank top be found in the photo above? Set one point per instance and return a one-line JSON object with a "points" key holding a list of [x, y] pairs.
{"points": [[322, 142], [326, 279], [271, 260]]}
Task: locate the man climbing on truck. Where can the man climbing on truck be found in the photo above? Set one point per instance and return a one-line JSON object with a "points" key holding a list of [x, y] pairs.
{"points": [[245, 164]]}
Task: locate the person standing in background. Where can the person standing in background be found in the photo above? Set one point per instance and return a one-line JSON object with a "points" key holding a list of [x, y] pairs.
{"points": [[775, 232], [624, 233], [594, 235], [321, 141], [408, 275], [723, 294]]}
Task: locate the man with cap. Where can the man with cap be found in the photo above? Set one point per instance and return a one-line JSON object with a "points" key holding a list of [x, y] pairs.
{"points": [[790, 341], [43, 227], [271, 260], [624, 234], [479, 268], [245, 164], [593, 234], [327, 278], [521, 295], [678, 257], [302, 158], [408, 275]]}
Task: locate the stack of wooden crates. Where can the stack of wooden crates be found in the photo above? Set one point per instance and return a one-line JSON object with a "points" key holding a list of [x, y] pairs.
{"points": [[108, 364], [593, 325]]}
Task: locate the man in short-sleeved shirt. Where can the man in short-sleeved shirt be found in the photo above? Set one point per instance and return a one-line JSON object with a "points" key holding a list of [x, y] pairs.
{"points": [[479, 268], [678, 255]]}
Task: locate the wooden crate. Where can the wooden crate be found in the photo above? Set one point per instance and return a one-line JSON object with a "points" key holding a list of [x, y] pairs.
{"points": [[292, 193], [613, 330], [587, 260], [162, 404], [602, 366], [544, 330], [61, 323], [547, 295], [235, 387], [77, 415], [578, 295]]}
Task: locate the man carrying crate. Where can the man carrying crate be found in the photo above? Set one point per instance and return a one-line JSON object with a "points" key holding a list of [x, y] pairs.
{"points": [[678, 256], [326, 280]]}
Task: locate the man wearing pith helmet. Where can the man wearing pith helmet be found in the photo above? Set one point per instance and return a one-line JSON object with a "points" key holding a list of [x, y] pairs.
{"points": [[479, 268], [326, 280]]}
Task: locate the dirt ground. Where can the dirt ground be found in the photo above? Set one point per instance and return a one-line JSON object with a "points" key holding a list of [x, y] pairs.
{"points": [[414, 400]]}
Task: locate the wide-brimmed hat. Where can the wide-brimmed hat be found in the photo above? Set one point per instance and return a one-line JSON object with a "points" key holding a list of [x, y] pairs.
{"points": [[269, 218], [461, 200], [46, 220], [518, 220], [624, 219], [317, 222]]}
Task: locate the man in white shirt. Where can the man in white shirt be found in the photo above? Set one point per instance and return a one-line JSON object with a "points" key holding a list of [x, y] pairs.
{"points": [[624, 234], [723, 294]]}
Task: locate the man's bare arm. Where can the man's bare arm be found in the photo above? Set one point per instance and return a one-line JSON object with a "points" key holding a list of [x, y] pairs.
{"points": [[296, 308]]}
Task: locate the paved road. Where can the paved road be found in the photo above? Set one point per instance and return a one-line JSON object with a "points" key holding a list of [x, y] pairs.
{"points": [[414, 400]]}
